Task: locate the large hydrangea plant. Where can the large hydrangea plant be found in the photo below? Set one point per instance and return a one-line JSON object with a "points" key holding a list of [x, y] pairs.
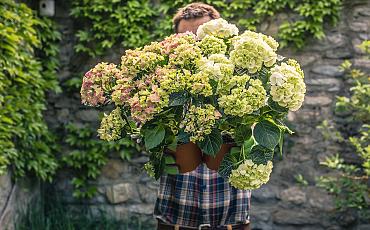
{"points": [[208, 88]]}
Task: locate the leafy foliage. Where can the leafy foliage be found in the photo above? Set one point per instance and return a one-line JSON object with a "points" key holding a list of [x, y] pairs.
{"points": [[133, 23], [28, 51], [106, 23], [211, 144], [88, 155], [350, 183]]}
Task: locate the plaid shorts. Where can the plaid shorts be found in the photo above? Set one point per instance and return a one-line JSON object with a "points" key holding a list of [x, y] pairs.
{"points": [[200, 197]]}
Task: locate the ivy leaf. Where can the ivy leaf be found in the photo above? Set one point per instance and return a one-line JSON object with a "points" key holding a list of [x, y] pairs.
{"points": [[242, 133], [261, 155], [211, 144], [230, 160], [177, 99], [267, 134], [153, 137]]}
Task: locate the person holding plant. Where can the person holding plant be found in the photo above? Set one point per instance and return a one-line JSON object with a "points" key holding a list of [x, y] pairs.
{"points": [[199, 198], [210, 106]]}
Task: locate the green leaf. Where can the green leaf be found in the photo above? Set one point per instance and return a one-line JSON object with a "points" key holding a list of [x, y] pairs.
{"points": [[171, 169], [276, 107], [177, 99], [242, 133], [169, 159], [267, 134], [183, 137], [211, 144], [230, 161], [247, 146], [281, 143], [261, 155], [154, 137], [159, 164]]}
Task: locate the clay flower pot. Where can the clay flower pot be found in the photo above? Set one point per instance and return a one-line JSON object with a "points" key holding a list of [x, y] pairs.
{"points": [[215, 162], [188, 156]]}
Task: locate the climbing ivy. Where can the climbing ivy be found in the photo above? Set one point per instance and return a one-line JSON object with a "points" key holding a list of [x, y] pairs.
{"points": [[86, 155], [105, 23], [28, 63], [349, 182], [135, 22]]}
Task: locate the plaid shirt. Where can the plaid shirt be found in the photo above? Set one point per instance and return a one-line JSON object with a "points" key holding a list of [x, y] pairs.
{"points": [[200, 197]]}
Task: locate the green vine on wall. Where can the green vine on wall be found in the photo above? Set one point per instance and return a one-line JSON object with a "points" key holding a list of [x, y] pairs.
{"points": [[86, 156], [133, 23], [349, 184], [28, 50]]}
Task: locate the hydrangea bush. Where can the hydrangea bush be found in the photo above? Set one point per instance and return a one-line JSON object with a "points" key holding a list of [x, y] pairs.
{"points": [[208, 88]]}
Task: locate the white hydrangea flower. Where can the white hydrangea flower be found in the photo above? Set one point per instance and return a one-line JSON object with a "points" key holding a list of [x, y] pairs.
{"points": [[252, 52], [268, 39], [216, 66], [287, 86], [250, 175], [217, 27]]}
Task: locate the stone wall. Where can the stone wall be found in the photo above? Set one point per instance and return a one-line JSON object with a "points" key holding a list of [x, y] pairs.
{"points": [[124, 190], [15, 197]]}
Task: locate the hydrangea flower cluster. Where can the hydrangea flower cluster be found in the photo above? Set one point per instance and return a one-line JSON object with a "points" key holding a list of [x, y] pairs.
{"points": [[216, 66], [252, 51], [218, 27], [212, 45], [242, 101], [199, 121], [185, 56], [111, 126], [98, 83], [250, 175], [287, 85], [199, 87]]}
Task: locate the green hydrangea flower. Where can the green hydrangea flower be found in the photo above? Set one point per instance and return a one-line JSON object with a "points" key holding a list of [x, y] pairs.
{"points": [[243, 101], [199, 121], [111, 126], [226, 84], [173, 80], [250, 175], [149, 168], [135, 61], [212, 45], [199, 84], [287, 86], [185, 56]]}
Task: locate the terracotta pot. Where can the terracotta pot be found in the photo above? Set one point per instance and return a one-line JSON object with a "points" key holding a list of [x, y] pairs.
{"points": [[188, 156], [215, 162]]}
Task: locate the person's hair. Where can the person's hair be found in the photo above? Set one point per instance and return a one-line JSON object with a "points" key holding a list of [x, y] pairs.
{"points": [[194, 10]]}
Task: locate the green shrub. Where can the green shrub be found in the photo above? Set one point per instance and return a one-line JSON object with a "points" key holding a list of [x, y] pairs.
{"points": [[28, 62]]}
